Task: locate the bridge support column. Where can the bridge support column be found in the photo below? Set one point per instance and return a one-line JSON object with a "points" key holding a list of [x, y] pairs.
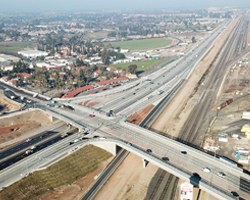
{"points": [[145, 163]]}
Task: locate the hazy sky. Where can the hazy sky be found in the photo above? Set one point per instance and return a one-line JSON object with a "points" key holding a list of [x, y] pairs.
{"points": [[84, 5]]}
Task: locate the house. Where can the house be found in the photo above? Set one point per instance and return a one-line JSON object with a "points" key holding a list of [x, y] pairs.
{"points": [[4, 78], [97, 73], [132, 76], [13, 82]]}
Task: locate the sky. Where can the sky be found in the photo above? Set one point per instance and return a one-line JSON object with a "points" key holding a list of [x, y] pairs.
{"points": [[107, 5]]}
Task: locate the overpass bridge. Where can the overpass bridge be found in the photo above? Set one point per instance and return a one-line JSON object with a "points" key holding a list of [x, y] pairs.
{"points": [[179, 164]]}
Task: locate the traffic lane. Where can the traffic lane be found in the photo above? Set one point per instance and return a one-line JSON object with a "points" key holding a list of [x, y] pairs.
{"points": [[23, 155], [29, 164], [35, 139], [193, 168], [175, 156]]}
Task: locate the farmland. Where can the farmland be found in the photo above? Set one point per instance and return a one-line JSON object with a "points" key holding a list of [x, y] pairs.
{"points": [[14, 47], [64, 172], [143, 44]]}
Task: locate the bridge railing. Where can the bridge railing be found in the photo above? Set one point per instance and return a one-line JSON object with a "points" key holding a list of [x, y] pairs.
{"points": [[179, 172], [179, 141]]}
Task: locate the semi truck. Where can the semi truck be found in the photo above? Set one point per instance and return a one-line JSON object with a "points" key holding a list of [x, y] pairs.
{"points": [[68, 107]]}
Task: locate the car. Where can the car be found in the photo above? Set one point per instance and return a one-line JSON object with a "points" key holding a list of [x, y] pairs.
{"points": [[102, 138], [95, 136], [77, 140], [92, 115], [85, 138], [221, 174], [45, 99], [206, 169], [71, 143], [28, 140], [165, 158], [235, 194], [183, 152], [149, 151], [196, 175], [129, 144], [33, 147]]}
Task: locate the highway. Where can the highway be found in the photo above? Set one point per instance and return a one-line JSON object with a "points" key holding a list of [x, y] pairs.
{"points": [[164, 79], [193, 161], [181, 165], [17, 152]]}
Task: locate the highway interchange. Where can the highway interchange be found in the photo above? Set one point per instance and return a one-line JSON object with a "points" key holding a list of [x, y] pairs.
{"points": [[181, 165]]}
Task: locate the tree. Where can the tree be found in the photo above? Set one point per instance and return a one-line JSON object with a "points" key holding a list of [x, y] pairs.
{"points": [[193, 40], [132, 69], [105, 57]]}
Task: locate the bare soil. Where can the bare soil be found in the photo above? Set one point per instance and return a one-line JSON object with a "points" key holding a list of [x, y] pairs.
{"points": [[16, 126], [8, 104], [140, 115], [130, 180]]}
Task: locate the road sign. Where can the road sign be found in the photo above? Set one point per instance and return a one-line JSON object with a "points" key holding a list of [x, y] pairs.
{"points": [[186, 191]]}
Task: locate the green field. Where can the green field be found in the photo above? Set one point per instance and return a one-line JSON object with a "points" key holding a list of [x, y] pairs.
{"points": [[14, 47], [64, 172], [143, 44], [141, 65]]}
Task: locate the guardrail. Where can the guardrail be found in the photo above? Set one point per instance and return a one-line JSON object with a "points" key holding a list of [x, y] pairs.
{"points": [[181, 173], [178, 142], [152, 113]]}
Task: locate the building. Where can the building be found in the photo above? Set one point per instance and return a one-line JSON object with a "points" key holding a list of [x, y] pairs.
{"points": [[8, 58], [32, 53]]}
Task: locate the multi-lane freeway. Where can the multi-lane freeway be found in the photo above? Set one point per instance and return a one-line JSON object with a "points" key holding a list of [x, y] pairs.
{"points": [[183, 162]]}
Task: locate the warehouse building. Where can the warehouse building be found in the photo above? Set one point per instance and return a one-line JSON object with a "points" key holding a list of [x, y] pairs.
{"points": [[32, 53]]}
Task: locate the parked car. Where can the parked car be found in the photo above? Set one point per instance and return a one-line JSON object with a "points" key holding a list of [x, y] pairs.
{"points": [[92, 115]]}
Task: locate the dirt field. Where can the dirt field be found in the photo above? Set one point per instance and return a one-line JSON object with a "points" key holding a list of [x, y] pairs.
{"points": [[77, 188], [130, 181], [7, 104], [16, 126], [139, 116]]}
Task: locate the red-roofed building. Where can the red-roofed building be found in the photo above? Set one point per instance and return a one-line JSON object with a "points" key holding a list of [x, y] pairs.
{"points": [[112, 81], [5, 78], [97, 73], [117, 71], [82, 67], [13, 81], [77, 91], [24, 74]]}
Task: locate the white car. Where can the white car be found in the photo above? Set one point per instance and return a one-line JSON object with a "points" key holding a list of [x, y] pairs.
{"points": [[28, 140], [221, 174], [33, 147], [102, 138], [206, 169]]}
